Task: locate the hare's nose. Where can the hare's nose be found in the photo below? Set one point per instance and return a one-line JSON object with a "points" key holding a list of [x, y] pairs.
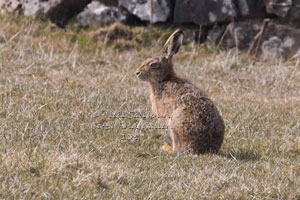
{"points": [[138, 73]]}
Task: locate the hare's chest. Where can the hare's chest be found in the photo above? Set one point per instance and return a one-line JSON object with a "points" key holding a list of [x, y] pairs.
{"points": [[162, 106]]}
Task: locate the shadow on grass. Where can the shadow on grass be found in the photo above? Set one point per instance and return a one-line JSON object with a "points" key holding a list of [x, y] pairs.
{"points": [[245, 156]]}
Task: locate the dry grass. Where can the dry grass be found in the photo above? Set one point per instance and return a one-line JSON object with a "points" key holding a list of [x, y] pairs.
{"points": [[55, 84]]}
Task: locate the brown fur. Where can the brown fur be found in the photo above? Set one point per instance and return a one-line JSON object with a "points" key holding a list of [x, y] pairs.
{"points": [[198, 124]]}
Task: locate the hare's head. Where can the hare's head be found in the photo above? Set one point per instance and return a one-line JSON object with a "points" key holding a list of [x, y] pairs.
{"points": [[159, 69]]}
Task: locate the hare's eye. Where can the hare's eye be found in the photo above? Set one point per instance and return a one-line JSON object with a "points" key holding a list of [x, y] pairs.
{"points": [[154, 65]]}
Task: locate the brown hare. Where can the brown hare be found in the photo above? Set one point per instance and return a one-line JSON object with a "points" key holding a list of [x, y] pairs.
{"points": [[197, 125]]}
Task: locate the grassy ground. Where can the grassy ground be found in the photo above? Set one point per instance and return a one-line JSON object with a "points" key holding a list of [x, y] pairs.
{"points": [[59, 87]]}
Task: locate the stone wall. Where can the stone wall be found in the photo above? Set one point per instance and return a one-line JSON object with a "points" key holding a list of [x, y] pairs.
{"points": [[234, 23]]}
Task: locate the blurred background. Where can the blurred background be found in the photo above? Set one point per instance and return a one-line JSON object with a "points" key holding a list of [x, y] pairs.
{"points": [[230, 23]]}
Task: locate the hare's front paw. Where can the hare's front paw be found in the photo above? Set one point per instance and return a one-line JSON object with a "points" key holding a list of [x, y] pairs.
{"points": [[167, 148]]}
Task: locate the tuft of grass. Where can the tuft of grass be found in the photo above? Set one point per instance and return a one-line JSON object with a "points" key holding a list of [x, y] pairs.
{"points": [[63, 137]]}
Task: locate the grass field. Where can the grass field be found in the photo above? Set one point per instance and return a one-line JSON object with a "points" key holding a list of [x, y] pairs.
{"points": [[59, 138]]}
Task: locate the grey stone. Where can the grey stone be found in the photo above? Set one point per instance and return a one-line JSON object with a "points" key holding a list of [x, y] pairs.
{"points": [[96, 12], [215, 34], [110, 2], [36, 7], [278, 40], [235, 35], [10, 6], [294, 13], [142, 9], [278, 7], [59, 11], [272, 48], [251, 8], [205, 12], [189, 35], [289, 36], [289, 10]]}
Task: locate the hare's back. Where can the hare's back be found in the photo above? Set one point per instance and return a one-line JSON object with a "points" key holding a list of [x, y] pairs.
{"points": [[197, 107]]}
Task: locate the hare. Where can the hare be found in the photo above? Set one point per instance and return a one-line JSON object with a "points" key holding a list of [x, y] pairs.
{"points": [[197, 125]]}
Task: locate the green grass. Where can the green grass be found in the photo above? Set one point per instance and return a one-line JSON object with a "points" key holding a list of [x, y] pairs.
{"points": [[54, 84]]}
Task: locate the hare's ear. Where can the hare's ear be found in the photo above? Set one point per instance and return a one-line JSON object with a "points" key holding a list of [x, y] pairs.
{"points": [[173, 44]]}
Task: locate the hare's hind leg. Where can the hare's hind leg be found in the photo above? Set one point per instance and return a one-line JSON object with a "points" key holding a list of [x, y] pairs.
{"points": [[174, 147], [167, 148]]}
